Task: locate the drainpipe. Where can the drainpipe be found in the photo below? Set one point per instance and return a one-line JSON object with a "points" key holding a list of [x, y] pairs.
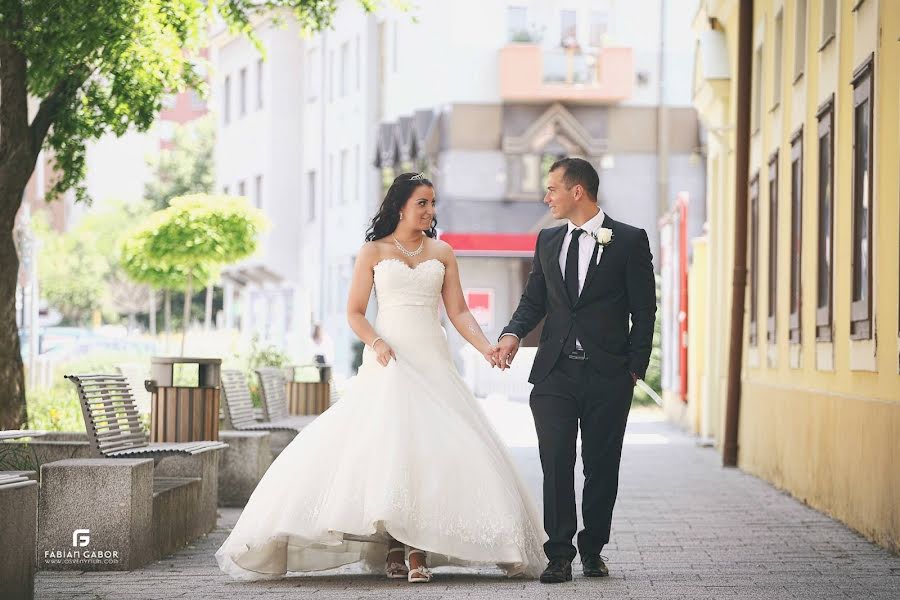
{"points": [[739, 282], [323, 165]]}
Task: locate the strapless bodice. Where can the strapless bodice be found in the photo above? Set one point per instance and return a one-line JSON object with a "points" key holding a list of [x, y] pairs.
{"points": [[398, 284]]}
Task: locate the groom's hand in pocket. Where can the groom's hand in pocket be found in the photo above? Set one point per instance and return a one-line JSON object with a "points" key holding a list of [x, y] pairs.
{"points": [[508, 347]]}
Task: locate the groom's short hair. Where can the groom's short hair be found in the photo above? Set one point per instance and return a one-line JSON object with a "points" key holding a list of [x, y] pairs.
{"points": [[579, 172]]}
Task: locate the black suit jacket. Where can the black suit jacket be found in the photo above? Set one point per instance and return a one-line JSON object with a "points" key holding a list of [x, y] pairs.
{"points": [[620, 287]]}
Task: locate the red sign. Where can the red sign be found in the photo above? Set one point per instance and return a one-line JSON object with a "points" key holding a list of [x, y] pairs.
{"points": [[481, 303]]}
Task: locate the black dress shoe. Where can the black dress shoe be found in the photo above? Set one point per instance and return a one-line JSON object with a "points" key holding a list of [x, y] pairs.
{"points": [[559, 570], [594, 566]]}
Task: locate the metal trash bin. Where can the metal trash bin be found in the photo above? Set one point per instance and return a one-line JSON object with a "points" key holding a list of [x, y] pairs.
{"points": [[308, 395], [184, 413]]}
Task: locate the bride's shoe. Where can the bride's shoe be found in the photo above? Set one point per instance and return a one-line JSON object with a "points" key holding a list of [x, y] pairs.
{"points": [[396, 570], [419, 574]]}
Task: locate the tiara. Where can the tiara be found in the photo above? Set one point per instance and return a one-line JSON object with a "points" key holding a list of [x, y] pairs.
{"points": [[417, 177]]}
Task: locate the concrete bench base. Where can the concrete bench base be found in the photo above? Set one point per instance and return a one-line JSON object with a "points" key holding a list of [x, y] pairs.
{"points": [[96, 514], [205, 467], [243, 464], [173, 526], [280, 440], [18, 524], [117, 514]]}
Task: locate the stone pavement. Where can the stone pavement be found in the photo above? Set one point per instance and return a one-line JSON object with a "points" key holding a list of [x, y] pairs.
{"points": [[684, 528]]}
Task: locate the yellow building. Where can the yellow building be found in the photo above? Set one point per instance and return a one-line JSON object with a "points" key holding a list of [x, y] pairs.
{"points": [[819, 405]]}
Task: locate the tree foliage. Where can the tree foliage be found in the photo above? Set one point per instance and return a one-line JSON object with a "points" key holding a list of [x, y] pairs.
{"points": [[137, 261], [71, 273], [204, 230], [92, 67], [186, 243], [103, 66], [195, 236], [77, 269]]}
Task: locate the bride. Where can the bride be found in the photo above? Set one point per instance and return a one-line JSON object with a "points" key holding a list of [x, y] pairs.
{"points": [[407, 459]]}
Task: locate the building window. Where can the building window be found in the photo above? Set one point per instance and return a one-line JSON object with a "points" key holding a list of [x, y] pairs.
{"points": [[242, 105], [829, 22], [568, 30], [756, 109], [311, 195], [330, 178], [257, 191], [396, 44], [773, 249], [312, 74], [356, 174], [357, 64], [861, 308], [345, 69], [344, 188], [259, 84], [226, 93], [799, 39], [197, 101], [825, 223], [599, 27], [777, 59], [754, 259], [517, 24], [242, 188], [796, 234], [332, 75]]}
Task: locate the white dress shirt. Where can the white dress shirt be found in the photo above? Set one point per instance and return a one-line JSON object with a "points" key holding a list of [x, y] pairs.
{"points": [[586, 245]]}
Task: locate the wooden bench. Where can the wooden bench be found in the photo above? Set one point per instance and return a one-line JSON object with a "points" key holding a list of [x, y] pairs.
{"points": [[113, 423], [275, 408], [239, 407]]}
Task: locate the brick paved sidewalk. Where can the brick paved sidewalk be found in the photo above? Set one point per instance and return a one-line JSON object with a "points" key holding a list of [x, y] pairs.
{"points": [[683, 528]]}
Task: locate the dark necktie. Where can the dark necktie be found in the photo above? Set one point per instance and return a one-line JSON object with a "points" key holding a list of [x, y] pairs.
{"points": [[572, 266]]}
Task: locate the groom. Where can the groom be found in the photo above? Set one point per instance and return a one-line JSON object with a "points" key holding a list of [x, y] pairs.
{"points": [[589, 276]]}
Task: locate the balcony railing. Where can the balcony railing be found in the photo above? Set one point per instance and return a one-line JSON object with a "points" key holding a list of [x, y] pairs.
{"points": [[529, 73]]}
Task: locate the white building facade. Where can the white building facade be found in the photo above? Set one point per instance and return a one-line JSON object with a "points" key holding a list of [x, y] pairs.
{"points": [[480, 95]]}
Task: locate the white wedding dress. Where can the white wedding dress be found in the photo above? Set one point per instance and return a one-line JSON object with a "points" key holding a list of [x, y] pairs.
{"points": [[407, 451]]}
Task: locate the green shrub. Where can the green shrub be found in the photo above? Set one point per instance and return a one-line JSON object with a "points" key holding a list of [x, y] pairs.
{"points": [[262, 356], [55, 408], [653, 377]]}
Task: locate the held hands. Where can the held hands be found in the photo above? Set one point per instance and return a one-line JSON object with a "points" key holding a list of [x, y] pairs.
{"points": [[490, 355], [384, 351], [507, 348]]}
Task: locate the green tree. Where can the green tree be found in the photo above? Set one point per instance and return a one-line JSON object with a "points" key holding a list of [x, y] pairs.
{"points": [[186, 168], [77, 270], [92, 67], [141, 267], [71, 273], [191, 239]]}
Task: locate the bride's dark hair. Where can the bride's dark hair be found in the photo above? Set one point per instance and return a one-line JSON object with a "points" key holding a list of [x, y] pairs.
{"points": [[388, 216]]}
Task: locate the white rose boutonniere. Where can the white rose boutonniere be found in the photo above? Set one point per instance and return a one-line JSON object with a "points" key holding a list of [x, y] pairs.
{"points": [[603, 236]]}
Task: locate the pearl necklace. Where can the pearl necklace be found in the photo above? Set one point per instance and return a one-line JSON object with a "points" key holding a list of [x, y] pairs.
{"points": [[410, 253]]}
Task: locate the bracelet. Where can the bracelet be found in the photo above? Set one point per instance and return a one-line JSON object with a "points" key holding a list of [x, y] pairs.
{"points": [[375, 341]]}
